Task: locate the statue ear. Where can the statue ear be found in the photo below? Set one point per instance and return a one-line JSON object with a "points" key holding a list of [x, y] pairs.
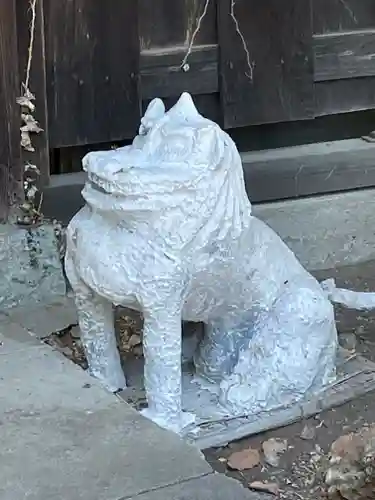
{"points": [[155, 109], [184, 108], [154, 112]]}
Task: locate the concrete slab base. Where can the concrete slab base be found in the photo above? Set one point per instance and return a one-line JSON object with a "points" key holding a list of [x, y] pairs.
{"points": [[215, 428], [325, 231]]}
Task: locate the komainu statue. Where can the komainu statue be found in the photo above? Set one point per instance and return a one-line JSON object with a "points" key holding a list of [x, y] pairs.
{"points": [[167, 230]]}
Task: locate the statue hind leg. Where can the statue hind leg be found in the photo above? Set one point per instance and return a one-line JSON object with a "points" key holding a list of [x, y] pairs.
{"points": [[218, 351], [290, 356]]}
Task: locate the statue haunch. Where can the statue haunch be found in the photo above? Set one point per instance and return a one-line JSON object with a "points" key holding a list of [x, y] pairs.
{"points": [[167, 229]]}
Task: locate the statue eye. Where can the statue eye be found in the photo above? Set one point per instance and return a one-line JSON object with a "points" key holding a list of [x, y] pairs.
{"points": [[176, 148]]}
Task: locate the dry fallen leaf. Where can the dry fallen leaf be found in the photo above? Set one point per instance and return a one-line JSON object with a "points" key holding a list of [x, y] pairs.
{"points": [[272, 488], [244, 460], [308, 433], [134, 340], [272, 450], [25, 102], [31, 125], [351, 471], [26, 141]]}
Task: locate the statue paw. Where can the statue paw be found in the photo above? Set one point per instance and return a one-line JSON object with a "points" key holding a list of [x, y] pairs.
{"points": [[176, 423], [328, 286], [115, 383]]}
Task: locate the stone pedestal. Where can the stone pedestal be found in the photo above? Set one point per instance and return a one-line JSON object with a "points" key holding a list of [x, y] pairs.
{"points": [[30, 266]]}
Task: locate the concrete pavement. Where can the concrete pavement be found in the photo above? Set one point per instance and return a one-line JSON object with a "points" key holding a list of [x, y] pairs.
{"points": [[63, 437]]}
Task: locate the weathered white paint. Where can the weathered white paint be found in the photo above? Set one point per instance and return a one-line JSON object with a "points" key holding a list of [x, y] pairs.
{"points": [[168, 229]]}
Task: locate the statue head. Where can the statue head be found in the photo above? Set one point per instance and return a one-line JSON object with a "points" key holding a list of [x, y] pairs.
{"points": [[176, 154]]}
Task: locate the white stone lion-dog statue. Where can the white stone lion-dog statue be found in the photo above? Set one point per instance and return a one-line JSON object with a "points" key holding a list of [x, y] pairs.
{"points": [[167, 230]]}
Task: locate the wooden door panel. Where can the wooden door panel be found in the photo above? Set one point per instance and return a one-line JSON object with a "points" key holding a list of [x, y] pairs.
{"points": [[266, 61], [342, 15], [166, 31], [171, 23], [344, 96], [344, 55], [92, 67]]}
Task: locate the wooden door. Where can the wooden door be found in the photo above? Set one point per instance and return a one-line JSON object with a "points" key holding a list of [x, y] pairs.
{"points": [[266, 61], [92, 58], [344, 55], [295, 60], [176, 56], [246, 62]]}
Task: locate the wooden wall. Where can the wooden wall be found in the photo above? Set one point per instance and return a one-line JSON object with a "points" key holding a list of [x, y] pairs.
{"points": [[254, 63], [10, 153]]}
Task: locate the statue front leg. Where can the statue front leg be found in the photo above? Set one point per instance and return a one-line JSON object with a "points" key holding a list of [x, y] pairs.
{"points": [[162, 345], [96, 322]]}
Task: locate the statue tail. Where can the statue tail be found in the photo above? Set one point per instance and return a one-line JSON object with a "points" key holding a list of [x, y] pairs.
{"points": [[360, 301]]}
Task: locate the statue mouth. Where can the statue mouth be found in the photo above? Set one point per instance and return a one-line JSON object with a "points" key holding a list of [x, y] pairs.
{"points": [[98, 184], [98, 188]]}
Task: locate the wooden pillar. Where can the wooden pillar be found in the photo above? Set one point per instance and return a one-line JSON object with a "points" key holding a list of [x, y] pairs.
{"points": [[10, 151]]}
